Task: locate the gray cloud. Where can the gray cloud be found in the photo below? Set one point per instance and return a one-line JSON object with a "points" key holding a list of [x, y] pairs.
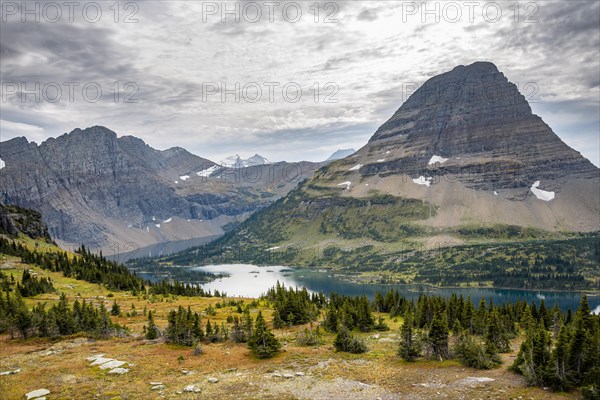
{"points": [[369, 54], [368, 14]]}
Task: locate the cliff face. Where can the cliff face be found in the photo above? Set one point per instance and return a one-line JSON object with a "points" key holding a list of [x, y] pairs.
{"points": [[95, 188], [16, 220]]}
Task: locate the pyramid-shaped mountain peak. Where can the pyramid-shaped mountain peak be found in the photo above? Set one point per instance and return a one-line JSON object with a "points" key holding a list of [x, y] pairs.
{"points": [[478, 120]]}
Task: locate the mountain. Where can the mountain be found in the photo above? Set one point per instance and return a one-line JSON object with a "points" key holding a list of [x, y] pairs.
{"points": [[339, 154], [463, 161], [236, 161], [105, 191]]}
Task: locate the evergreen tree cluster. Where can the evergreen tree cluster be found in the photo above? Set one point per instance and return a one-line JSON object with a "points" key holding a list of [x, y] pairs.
{"points": [[29, 286], [564, 354], [185, 327], [349, 312], [84, 266], [59, 320], [293, 306], [347, 342]]}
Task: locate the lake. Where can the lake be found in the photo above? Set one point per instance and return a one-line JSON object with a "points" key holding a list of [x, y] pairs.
{"points": [[252, 281]]}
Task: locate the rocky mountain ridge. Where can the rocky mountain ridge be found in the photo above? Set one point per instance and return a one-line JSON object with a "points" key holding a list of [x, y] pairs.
{"points": [[95, 188]]}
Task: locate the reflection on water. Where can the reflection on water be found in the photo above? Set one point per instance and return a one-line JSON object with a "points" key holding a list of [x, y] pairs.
{"points": [[252, 281]]}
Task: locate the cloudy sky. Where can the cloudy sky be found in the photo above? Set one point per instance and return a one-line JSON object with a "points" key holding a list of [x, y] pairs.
{"points": [[169, 72]]}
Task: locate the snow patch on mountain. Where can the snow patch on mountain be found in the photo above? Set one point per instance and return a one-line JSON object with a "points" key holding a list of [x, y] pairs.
{"points": [[423, 181], [437, 159], [541, 194], [2, 164], [347, 184], [356, 167], [205, 173]]}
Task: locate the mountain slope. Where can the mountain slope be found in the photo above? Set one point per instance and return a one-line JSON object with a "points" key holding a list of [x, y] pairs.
{"points": [[443, 171], [95, 188]]}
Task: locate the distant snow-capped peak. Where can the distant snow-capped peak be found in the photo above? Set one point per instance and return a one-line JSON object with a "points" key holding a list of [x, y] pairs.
{"points": [[236, 161]]}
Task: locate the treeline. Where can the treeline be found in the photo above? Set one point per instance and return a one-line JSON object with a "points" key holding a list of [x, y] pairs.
{"points": [[95, 268], [84, 266], [59, 320], [152, 266]]}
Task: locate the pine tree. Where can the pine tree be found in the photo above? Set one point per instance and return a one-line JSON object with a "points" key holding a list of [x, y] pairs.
{"points": [[115, 310], [534, 358], [495, 339], [560, 360], [438, 336], [331, 322], [151, 330], [277, 321], [262, 342], [410, 348]]}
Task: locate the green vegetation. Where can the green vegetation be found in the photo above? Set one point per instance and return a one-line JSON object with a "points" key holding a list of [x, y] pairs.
{"points": [[410, 345], [567, 360], [575, 263], [59, 320], [345, 341], [29, 286], [292, 307], [262, 342]]}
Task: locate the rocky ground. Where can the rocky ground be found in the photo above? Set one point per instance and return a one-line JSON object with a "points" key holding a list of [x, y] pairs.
{"points": [[137, 368]]}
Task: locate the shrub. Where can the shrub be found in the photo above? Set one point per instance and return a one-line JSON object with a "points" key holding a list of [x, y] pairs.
{"points": [[345, 341]]}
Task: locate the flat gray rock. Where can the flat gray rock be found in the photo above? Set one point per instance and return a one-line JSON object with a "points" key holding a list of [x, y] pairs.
{"points": [[36, 394], [112, 364], [100, 361]]}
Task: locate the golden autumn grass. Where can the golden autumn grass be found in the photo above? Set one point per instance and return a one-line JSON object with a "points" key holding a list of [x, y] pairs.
{"points": [[61, 365]]}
